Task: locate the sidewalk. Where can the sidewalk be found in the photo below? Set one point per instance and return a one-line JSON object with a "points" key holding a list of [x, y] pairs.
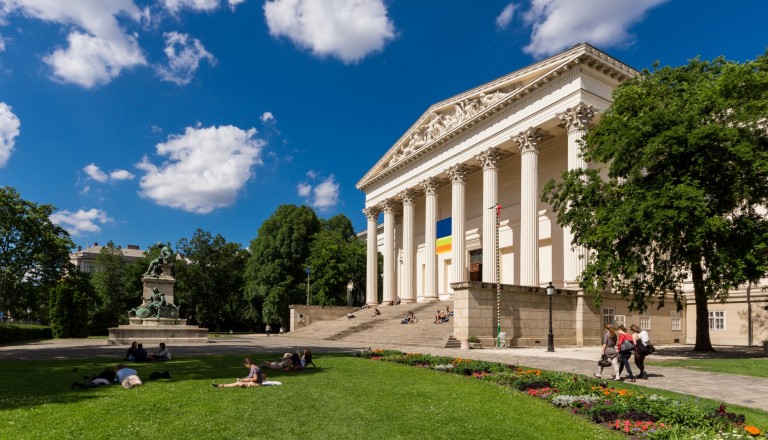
{"points": [[730, 389]]}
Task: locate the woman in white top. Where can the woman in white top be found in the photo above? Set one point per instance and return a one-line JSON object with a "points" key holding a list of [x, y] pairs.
{"points": [[641, 349]]}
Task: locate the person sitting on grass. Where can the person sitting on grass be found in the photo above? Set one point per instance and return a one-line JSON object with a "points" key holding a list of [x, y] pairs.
{"points": [[131, 350], [306, 359], [140, 354], [163, 354], [254, 379]]}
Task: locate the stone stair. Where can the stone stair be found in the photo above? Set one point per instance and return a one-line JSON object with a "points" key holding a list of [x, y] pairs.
{"points": [[386, 329]]}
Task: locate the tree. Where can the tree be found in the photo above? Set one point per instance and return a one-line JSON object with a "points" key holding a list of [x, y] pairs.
{"points": [[274, 276], [212, 280], [69, 305], [686, 155], [110, 284], [337, 256], [34, 252]]}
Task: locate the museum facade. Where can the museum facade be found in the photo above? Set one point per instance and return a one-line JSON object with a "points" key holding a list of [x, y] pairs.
{"points": [[460, 196]]}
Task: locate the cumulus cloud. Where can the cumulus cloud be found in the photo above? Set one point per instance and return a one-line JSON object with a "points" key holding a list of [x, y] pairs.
{"points": [[95, 173], [80, 222], [98, 48], [503, 20], [205, 169], [195, 5], [184, 56], [322, 196], [267, 116], [559, 24], [346, 29], [9, 129]]}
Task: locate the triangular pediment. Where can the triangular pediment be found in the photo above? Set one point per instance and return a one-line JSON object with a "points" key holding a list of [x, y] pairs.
{"points": [[445, 119]]}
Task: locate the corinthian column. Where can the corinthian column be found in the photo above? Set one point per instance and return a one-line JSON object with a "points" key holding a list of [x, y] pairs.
{"points": [[430, 237], [389, 250], [528, 141], [458, 174], [372, 263], [489, 159], [407, 295]]}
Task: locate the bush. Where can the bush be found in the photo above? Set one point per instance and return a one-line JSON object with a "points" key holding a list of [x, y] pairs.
{"points": [[23, 332]]}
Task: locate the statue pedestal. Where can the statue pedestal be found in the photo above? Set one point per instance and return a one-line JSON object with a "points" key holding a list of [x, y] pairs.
{"points": [[152, 330]]}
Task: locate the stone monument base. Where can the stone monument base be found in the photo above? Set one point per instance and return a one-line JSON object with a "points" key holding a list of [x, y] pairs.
{"points": [[154, 331]]}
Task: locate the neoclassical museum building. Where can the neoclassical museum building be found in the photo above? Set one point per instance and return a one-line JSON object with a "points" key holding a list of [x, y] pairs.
{"points": [[460, 196]]}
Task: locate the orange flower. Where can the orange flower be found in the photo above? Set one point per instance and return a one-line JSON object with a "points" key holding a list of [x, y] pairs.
{"points": [[752, 430]]}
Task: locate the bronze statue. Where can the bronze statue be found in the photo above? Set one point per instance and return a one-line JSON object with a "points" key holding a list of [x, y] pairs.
{"points": [[155, 266]]}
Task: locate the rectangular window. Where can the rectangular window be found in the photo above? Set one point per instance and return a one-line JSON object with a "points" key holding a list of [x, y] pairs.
{"points": [[608, 314], [676, 322], [645, 322], [717, 320]]}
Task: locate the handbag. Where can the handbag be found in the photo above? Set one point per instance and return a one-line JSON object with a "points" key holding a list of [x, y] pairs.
{"points": [[650, 348], [604, 361], [627, 345]]}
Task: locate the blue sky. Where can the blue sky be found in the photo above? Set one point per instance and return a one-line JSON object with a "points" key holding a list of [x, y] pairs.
{"points": [[143, 120]]}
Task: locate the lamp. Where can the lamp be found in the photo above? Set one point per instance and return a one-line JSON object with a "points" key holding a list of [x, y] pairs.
{"points": [[550, 337], [29, 310], [308, 270]]}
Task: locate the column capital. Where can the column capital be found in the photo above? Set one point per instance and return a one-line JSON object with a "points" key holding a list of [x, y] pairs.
{"points": [[408, 196], [372, 212], [387, 206], [431, 186], [578, 118], [489, 158], [458, 173], [529, 140]]}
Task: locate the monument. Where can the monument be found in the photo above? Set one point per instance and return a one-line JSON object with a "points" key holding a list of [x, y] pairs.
{"points": [[156, 319]]}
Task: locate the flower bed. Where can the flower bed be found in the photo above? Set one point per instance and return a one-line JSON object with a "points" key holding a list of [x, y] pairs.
{"points": [[637, 414]]}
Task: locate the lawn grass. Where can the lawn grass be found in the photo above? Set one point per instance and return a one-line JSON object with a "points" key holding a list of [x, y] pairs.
{"points": [[745, 367], [347, 398]]}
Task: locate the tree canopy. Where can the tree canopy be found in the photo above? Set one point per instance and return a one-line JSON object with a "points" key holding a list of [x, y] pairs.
{"points": [[34, 252], [677, 187]]}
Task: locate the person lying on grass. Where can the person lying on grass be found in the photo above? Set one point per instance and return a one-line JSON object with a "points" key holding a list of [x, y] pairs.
{"points": [[254, 379], [283, 364], [105, 377]]}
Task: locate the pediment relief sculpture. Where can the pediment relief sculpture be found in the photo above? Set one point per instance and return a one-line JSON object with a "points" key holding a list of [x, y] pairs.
{"points": [[443, 121]]}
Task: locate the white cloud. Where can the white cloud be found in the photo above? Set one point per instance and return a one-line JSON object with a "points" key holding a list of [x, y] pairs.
{"points": [[267, 116], [304, 189], [99, 49], [121, 175], [346, 29], [95, 173], [9, 129], [559, 24], [196, 5], [326, 194], [80, 222], [2, 43], [184, 55], [503, 20], [205, 170], [323, 196], [234, 3]]}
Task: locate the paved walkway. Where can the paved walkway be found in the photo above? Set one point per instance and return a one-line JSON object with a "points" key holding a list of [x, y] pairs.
{"points": [[728, 388]]}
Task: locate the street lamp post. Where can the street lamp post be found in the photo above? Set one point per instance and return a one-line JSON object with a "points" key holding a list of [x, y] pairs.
{"points": [[550, 337], [29, 310], [309, 272], [350, 288]]}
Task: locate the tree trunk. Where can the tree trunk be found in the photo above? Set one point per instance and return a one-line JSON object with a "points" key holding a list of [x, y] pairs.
{"points": [[703, 343]]}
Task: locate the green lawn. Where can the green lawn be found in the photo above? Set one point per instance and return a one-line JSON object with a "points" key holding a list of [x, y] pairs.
{"points": [[347, 398], [745, 367]]}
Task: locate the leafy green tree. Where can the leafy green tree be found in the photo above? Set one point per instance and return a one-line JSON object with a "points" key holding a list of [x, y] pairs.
{"points": [[683, 191], [337, 256], [69, 303], [34, 252], [211, 280], [275, 276], [110, 284]]}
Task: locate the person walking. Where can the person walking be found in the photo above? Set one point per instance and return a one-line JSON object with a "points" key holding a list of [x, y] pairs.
{"points": [[626, 347], [610, 339], [641, 349]]}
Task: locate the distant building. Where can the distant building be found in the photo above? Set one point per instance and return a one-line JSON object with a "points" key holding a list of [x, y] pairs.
{"points": [[84, 258]]}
